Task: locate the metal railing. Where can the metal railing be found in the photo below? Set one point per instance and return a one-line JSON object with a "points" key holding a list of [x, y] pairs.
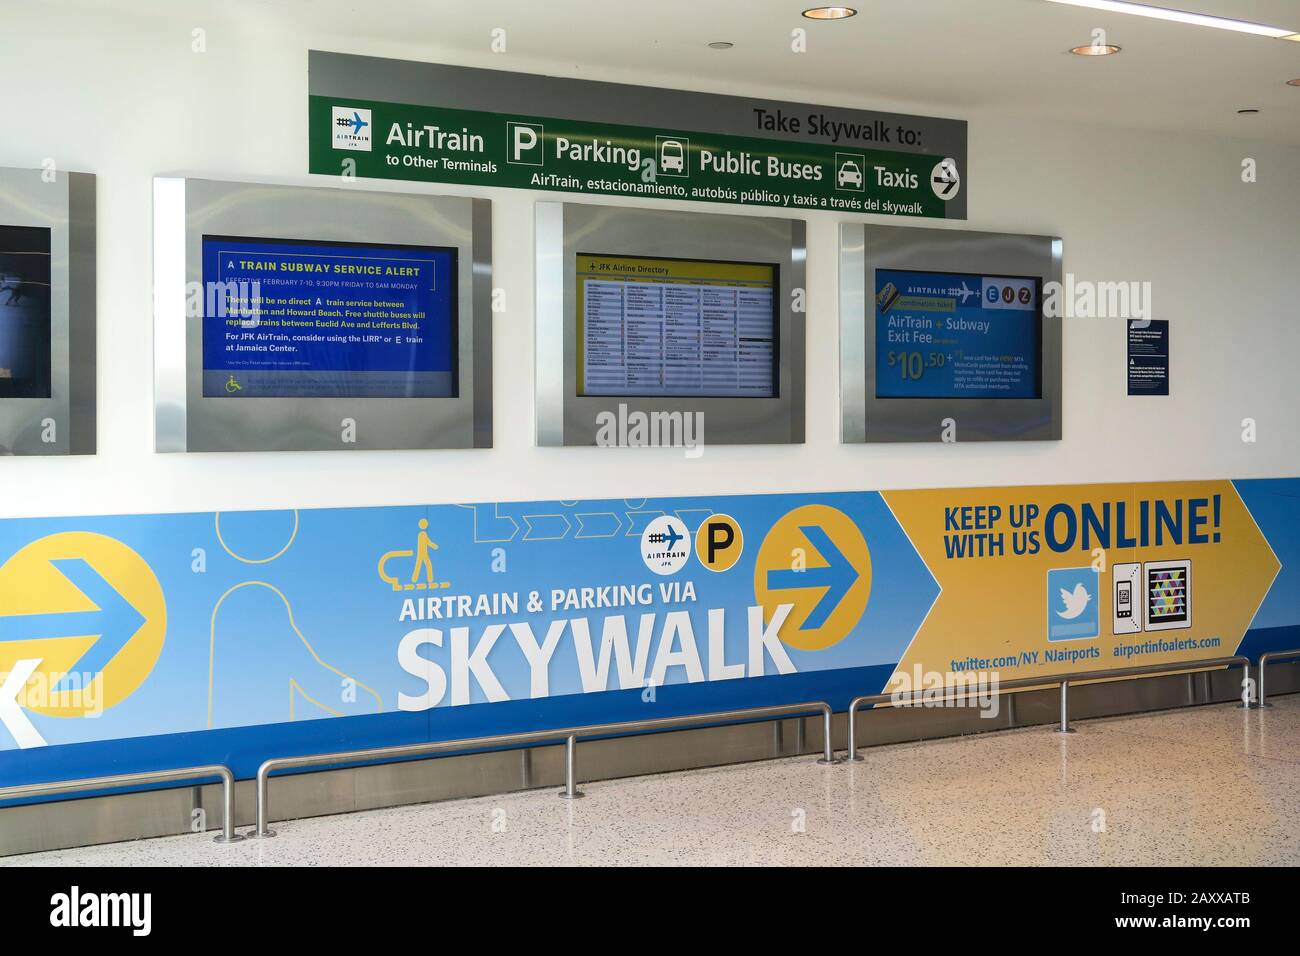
{"points": [[1272, 657], [180, 775], [571, 735], [515, 741], [1064, 680]]}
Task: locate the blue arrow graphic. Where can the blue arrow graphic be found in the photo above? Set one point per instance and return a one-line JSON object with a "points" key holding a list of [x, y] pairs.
{"points": [[837, 577], [113, 622]]}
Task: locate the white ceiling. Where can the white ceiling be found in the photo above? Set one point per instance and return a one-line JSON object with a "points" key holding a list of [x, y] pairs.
{"points": [[1005, 55], [956, 57]]}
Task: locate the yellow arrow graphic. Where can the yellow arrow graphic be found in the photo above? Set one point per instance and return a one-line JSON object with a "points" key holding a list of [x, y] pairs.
{"points": [[994, 603]]}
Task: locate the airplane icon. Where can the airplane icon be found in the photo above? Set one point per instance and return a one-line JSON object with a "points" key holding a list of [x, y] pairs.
{"points": [[672, 537], [358, 124], [965, 292]]}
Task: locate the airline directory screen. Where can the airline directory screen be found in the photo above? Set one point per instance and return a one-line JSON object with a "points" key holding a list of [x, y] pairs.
{"points": [[957, 335], [676, 327], [300, 319], [24, 312]]}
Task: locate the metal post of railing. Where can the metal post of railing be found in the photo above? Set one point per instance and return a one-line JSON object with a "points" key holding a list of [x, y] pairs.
{"points": [[571, 791], [853, 756], [1270, 658], [179, 775], [1065, 709], [261, 831], [228, 834], [828, 754]]}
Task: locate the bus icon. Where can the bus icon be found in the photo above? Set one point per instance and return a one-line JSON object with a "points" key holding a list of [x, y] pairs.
{"points": [[672, 155]]}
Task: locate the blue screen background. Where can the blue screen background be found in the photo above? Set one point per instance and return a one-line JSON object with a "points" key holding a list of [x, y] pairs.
{"points": [[978, 336], [426, 299]]}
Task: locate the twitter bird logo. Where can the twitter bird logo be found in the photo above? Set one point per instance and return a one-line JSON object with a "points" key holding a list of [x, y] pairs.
{"points": [[1072, 604], [1075, 602]]}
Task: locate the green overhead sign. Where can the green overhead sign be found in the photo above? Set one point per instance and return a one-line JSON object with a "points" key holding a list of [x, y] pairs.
{"points": [[701, 147]]}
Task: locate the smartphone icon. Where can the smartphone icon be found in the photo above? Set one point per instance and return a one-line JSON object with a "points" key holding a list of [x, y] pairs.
{"points": [[1124, 599]]}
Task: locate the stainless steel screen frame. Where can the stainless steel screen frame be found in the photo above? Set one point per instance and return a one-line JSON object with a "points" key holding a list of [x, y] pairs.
{"points": [[564, 229], [66, 207], [187, 209], [866, 418]]}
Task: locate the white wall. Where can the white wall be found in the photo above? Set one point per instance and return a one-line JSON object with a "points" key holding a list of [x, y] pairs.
{"points": [[123, 96]]}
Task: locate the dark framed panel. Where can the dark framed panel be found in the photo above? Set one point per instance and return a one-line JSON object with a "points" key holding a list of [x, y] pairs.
{"points": [[47, 312], [341, 406], [748, 248], [870, 413]]}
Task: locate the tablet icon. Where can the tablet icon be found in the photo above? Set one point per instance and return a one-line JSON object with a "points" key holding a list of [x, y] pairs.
{"points": [[1168, 595]]}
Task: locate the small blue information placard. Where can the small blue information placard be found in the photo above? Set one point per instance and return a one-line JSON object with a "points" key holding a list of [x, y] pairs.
{"points": [[1148, 357], [290, 319], [956, 335]]}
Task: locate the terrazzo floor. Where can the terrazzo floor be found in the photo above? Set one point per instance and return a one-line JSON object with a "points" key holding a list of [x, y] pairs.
{"points": [[1211, 785]]}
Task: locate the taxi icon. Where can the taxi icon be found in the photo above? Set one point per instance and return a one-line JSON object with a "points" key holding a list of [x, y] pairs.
{"points": [[849, 175]]}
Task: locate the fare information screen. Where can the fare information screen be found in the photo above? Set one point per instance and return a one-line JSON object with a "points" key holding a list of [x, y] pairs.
{"points": [[676, 327], [955, 335], [24, 312], [293, 319]]}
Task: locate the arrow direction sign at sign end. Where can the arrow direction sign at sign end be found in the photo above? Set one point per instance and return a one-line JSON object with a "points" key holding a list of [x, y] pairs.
{"points": [[113, 622]]}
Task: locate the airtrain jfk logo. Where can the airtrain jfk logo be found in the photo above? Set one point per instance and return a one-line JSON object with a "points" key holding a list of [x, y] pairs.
{"points": [[352, 128], [665, 545]]}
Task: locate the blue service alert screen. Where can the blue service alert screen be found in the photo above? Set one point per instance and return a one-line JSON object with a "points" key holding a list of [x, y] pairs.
{"points": [[955, 335], [293, 319]]}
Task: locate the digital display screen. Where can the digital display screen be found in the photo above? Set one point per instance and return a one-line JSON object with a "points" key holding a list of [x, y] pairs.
{"points": [[1167, 595], [676, 327], [24, 312], [957, 335], [311, 319]]}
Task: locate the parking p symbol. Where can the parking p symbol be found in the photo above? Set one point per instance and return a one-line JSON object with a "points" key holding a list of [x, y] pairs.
{"points": [[719, 542]]}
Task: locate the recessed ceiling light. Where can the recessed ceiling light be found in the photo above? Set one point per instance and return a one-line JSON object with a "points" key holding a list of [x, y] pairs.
{"points": [[721, 45], [1182, 16], [830, 13], [1096, 49]]}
